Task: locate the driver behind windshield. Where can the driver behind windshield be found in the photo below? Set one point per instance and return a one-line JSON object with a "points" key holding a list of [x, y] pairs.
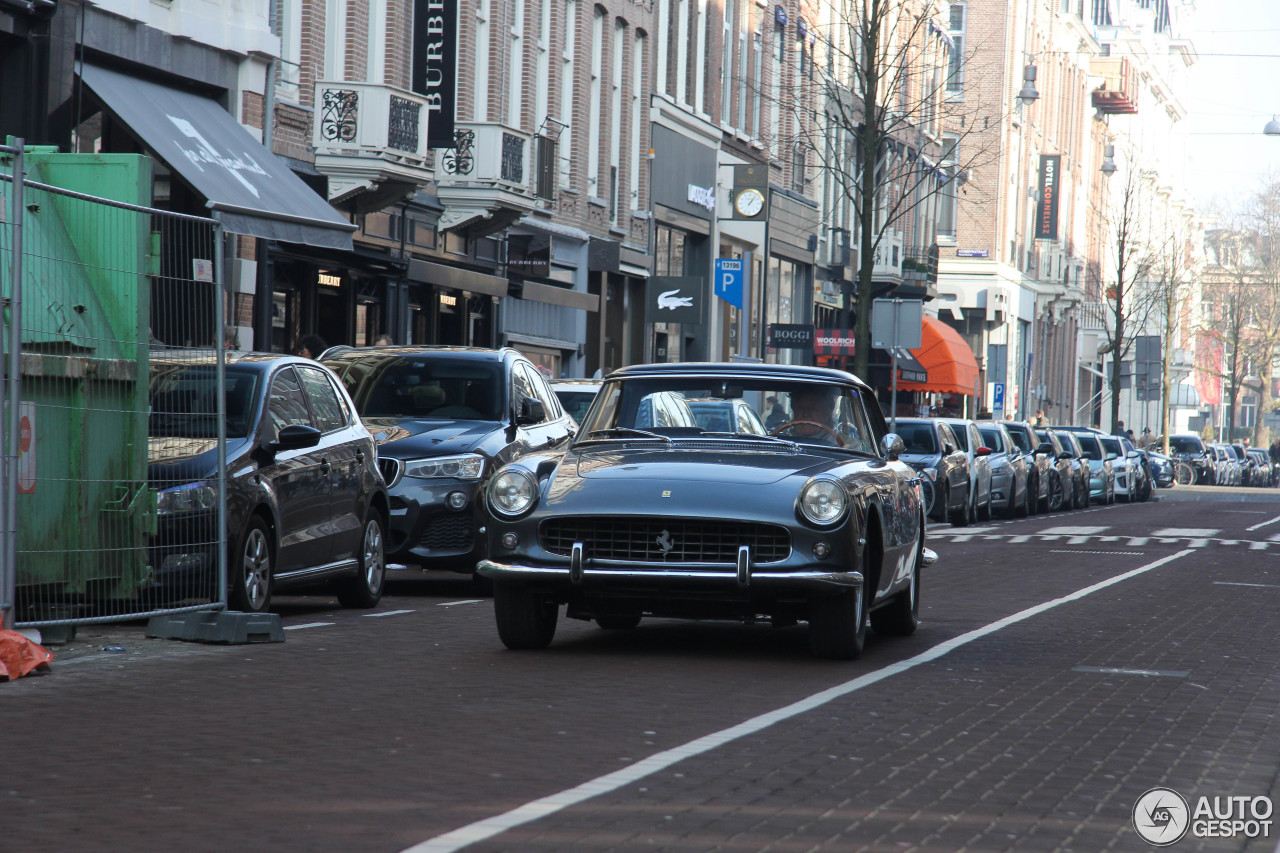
{"points": [[812, 415]]}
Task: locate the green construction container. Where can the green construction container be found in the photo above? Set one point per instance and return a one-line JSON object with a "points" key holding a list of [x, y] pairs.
{"points": [[84, 509]]}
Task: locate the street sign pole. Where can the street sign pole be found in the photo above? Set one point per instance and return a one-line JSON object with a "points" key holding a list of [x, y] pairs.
{"points": [[893, 368]]}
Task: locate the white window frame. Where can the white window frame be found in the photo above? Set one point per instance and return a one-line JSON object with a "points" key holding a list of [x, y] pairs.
{"points": [[594, 188], [959, 38], [567, 70]]}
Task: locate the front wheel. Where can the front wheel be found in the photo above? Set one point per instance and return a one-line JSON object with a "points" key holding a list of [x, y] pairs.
{"points": [[1057, 495], [252, 570], [1028, 505], [364, 589], [901, 616], [526, 620], [838, 625]]}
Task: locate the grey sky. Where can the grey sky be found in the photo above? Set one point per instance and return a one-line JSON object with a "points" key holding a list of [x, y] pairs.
{"points": [[1232, 97]]}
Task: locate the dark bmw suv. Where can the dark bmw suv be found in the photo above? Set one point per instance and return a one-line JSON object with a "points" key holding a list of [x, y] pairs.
{"points": [[445, 418], [305, 502]]}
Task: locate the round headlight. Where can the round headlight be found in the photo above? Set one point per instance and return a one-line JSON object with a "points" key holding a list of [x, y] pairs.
{"points": [[512, 492], [822, 501]]}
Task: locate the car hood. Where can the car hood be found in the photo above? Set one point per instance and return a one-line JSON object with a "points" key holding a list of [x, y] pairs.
{"points": [[171, 460], [676, 481], [920, 460], [405, 437]]}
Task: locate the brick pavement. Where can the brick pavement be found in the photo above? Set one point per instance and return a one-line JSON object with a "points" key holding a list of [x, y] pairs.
{"points": [[376, 734]]}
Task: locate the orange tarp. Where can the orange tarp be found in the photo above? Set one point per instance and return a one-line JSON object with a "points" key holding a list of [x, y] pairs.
{"points": [[19, 656], [946, 358]]}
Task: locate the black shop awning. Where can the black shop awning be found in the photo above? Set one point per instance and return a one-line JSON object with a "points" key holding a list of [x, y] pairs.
{"points": [[251, 190]]}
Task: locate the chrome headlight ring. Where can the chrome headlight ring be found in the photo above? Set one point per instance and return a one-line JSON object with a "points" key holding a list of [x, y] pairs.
{"points": [[512, 493], [823, 502]]}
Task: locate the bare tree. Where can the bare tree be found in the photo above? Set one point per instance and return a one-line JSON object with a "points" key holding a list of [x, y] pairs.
{"points": [[1169, 293], [1263, 217], [1128, 302], [880, 103]]}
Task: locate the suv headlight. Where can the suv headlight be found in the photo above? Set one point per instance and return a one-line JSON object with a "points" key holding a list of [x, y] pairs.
{"points": [[192, 497], [823, 501], [512, 492], [467, 466]]}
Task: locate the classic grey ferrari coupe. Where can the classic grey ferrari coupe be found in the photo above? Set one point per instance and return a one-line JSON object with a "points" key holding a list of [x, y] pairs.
{"points": [[646, 514]]}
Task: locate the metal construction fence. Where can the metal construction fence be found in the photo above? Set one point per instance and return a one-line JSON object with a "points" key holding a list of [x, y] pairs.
{"points": [[114, 385]]}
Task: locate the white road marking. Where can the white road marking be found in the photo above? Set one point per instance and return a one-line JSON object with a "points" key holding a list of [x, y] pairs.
{"points": [[1236, 583], [1078, 551], [1186, 532], [536, 809], [1138, 541], [1264, 524], [1070, 531], [308, 625], [1020, 538], [387, 613], [1111, 670], [452, 603]]}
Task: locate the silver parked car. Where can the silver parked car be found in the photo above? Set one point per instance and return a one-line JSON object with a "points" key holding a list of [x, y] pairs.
{"points": [[1010, 475], [966, 432]]}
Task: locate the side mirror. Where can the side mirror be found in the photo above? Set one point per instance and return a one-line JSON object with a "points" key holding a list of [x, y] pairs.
{"points": [[948, 449], [295, 437], [1046, 448], [531, 411], [1066, 454], [1111, 456], [1133, 454], [982, 451], [891, 446]]}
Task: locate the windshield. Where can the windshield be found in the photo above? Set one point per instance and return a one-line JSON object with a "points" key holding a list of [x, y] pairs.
{"points": [[672, 406], [576, 403], [1089, 446], [1020, 438], [918, 438], [1185, 444], [434, 388], [184, 401]]}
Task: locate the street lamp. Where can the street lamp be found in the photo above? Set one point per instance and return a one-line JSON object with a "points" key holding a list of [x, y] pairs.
{"points": [[1272, 128], [1108, 167], [1028, 95]]}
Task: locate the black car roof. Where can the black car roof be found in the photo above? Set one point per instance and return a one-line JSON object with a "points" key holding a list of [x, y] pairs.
{"points": [[747, 370], [474, 353], [260, 361]]}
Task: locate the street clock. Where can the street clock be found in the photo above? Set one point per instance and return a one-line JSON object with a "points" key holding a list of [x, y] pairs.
{"points": [[749, 202]]}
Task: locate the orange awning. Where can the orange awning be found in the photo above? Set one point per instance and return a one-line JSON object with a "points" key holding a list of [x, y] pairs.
{"points": [[946, 358]]}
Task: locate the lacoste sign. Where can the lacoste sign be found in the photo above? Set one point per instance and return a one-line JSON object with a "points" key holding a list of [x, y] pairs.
{"points": [[674, 299]]}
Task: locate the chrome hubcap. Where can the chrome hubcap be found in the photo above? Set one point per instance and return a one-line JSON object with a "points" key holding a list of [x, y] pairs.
{"points": [[374, 562], [257, 569]]}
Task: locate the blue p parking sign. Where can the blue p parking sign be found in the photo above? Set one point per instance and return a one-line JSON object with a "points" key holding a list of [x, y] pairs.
{"points": [[729, 280], [997, 400]]}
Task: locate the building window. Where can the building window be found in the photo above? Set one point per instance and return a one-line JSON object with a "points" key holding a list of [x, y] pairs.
{"points": [[615, 120], [948, 201], [757, 73], [596, 105], [565, 145], [955, 66], [515, 65], [480, 108], [638, 59], [289, 67], [742, 68]]}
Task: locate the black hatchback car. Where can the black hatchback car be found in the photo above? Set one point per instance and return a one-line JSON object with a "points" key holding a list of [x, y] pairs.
{"points": [[444, 419], [304, 501]]}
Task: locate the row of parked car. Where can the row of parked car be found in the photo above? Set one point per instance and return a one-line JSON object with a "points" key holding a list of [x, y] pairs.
{"points": [[717, 491], [1221, 464], [974, 470]]}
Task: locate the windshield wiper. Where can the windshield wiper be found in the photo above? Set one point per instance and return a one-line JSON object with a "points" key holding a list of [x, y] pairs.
{"points": [[752, 436], [621, 431]]}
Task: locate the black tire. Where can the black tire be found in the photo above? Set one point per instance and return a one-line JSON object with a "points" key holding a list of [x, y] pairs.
{"points": [[928, 494], [1027, 507], [1056, 495], [252, 569], [960, 517], [618, 621], [838, 625], [984, 512], [1086, 498], [364, 589], [526, 620], [901, 616]]}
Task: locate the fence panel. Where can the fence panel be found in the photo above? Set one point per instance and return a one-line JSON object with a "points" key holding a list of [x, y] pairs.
{"points": [[118, 482]]}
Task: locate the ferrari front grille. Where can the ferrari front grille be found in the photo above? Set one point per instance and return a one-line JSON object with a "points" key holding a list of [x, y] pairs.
{"points": [[665, 540]]}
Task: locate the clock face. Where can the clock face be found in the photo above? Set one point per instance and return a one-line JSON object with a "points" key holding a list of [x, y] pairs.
{"points": [[749, 202]]}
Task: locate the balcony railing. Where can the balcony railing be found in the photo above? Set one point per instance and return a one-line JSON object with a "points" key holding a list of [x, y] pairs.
{"points": [[920, 263], [364, 118], [486, 152], [888, 261], [1119, 90]]}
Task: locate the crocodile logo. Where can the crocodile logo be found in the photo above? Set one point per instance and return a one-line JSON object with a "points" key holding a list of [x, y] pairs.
{"points": [[669, 299], [664, 542]]}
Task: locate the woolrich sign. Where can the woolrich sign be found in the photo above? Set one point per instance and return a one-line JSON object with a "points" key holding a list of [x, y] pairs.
{"points": [[435, 66]]}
